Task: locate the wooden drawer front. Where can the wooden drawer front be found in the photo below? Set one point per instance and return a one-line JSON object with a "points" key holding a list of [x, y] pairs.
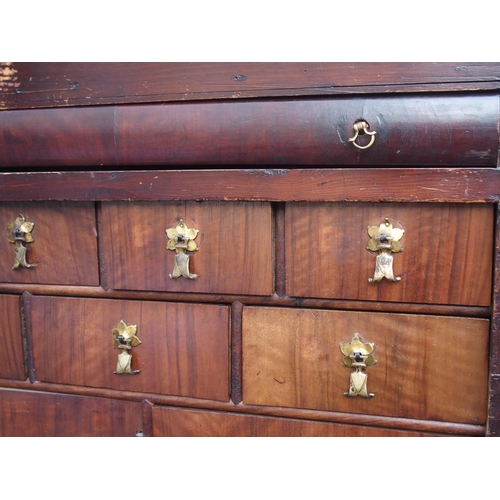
{"points": [[64, 246], [416, 130], [446, 257], [11, 353], [184, 348], [234, 256], [175, 422], [429, 367], [37, 414]]}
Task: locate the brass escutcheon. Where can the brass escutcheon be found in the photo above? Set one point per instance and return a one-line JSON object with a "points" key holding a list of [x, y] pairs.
{"points": [[181, 240], [384, 239], [19, 233], [361, 127], [125, 338], [358, 355]]}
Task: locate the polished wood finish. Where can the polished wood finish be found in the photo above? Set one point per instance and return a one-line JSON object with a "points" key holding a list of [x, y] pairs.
{"points": [[234, 256], [424, 130], [32, 414], [174, 422], [11, 354], [64, 247], [195, 134], [442, 185], [184, 348], [428, 367], [444, 245], [31, 85]]}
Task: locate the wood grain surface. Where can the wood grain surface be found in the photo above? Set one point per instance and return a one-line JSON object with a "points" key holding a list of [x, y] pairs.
{"points": [[184, 349], [36, 414], [235, 246], [64, 247], [412, 130], [12, 353], [30, 85], [428, 367], [446, 257], [175, 422]]}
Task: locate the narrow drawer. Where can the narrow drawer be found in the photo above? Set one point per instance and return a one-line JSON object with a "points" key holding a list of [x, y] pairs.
{"points": [[184, 348], [446, 255], [11, 354], [428, 367], [452, 130], [234, 247], [37, 414], [62, 243], [175, 422]]}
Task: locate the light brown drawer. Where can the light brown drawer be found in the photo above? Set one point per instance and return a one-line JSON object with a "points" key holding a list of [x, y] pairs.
{"points": [[234, 256], [184, 349], [175, 422], [64, 246], [11, 353], [446, 257], [428, 367], [37, 414]]}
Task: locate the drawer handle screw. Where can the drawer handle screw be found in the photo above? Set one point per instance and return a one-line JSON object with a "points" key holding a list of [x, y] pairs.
{"points": [[124, 338], [19, 233], [181, 240], [361, 127], [358, 355]]}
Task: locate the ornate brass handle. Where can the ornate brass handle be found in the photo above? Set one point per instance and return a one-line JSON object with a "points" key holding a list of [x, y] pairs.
{"points": [[19, 233], [181, 239], [384, 239], [124, 338], [358, 355], [361, 127]]}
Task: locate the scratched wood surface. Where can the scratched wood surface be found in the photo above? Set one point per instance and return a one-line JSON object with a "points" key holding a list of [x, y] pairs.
{"points": [[446, 257], [30, 85], [175, 422], [433, 130], [235, 246], [64, 247], [38, 414], [12, 353], [184, 349], [428, 367]]}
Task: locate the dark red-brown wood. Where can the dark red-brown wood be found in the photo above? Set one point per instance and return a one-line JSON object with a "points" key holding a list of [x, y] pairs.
{"points": [[412, 130], [175, 422], [29, 85], [37, 414], [318, 184], [11, 354]]}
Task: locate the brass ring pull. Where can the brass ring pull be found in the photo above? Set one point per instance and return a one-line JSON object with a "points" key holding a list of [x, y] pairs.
{"points": [[362, 127]]}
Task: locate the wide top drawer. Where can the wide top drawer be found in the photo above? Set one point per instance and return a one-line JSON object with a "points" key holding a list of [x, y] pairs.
{"points": [[460, 130]]}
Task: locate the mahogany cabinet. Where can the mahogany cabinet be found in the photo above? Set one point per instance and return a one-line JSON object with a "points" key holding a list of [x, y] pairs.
{"points": [[262, 256]]}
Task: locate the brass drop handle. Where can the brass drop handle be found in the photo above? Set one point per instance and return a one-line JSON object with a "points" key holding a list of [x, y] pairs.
{"points": [[125, 338], [361, 127], [181, 240], [358, 355], [19, 233]]}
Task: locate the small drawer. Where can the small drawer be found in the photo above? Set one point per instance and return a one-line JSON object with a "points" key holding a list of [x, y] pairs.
{"points": [[11, 354], [444, 254], [59, 246], [40, 414], [232, 252], [427, 367], [175, 422], [184, 349]]}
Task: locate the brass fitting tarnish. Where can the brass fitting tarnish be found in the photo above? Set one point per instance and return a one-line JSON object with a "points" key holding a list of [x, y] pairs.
{"points": [[181, 240], [19, 233]]}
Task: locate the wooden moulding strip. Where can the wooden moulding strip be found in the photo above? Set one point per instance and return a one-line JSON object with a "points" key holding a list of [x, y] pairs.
{"points": [[450, 428], [461, 185], [273, 300]]}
